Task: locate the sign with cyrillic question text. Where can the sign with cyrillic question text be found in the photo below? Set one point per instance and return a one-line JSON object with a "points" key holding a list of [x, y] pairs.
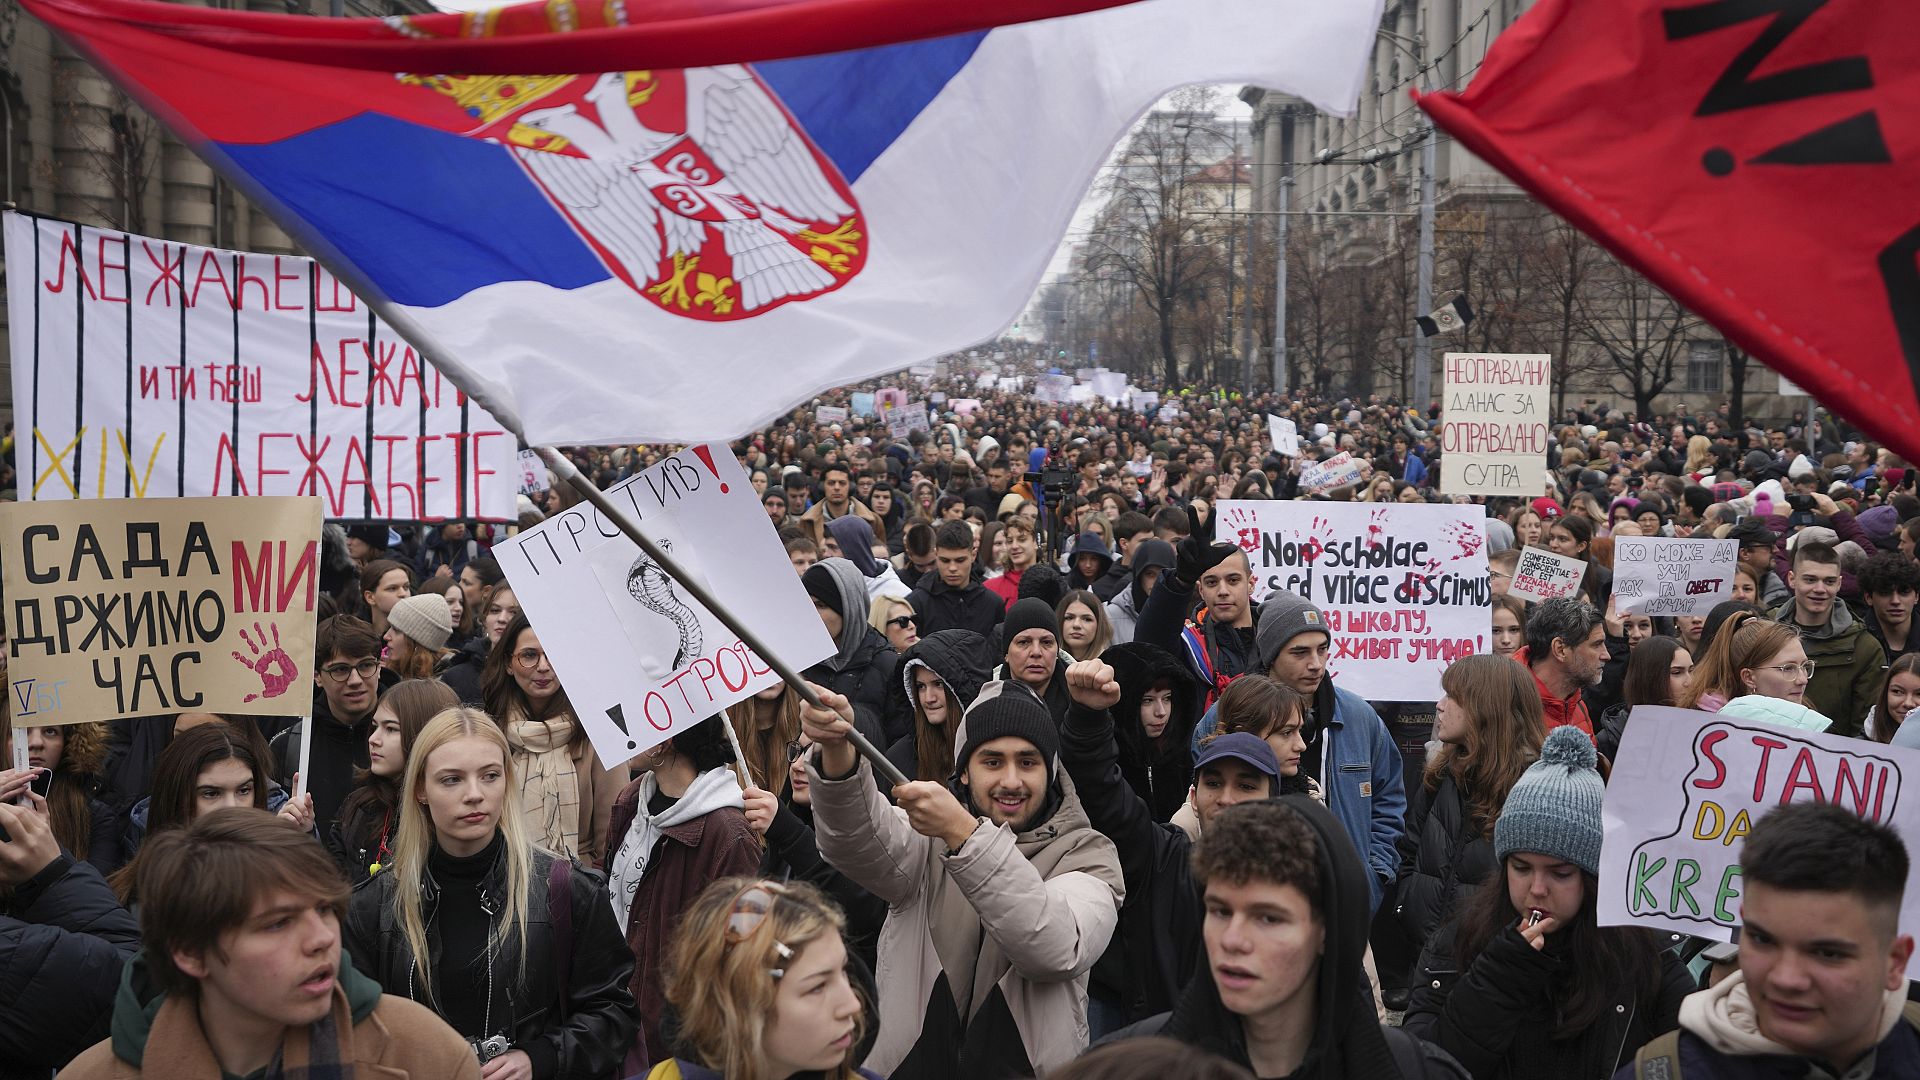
{"points": [[1664, 575]]}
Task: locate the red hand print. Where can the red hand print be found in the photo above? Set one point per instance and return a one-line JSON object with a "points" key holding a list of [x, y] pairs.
{"points": [[1376, 528], [1316, 542], [276, 669], [1245, 530]]}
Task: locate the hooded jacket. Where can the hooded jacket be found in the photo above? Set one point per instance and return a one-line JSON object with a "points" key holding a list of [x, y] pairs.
{"points": [[1158, 771], [815, 520], [941, 607], [1215, 654], [1088, 543], [159, 1036], [585, 1033], [338, 749], [862, 665], [63, 940], [856, 537], [1847, 663], [958, 657], [1123, 611], [985, 952], [1349, 1043], [1719, 1039]]}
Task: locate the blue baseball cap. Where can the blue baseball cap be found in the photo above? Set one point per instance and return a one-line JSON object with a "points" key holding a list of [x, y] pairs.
{"points": [[1243, 745]]}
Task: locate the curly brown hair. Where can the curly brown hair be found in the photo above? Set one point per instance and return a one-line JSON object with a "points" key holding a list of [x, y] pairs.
{"points": [[1262, 841]]}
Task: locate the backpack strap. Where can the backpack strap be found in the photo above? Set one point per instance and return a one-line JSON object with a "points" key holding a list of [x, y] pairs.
{"points": [[560, 911], [1659, 1059], [1911, 1014]]}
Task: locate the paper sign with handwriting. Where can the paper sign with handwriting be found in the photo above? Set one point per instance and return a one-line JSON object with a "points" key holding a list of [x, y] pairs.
{"points": [[1660, 575], [1543, 575]]}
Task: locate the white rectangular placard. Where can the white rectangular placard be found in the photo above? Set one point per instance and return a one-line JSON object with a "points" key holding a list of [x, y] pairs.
{"points": [[1688, 786], [1670, 576], [1337, 471], [1493, 430], [1286, 435], [144, 368], [830, 414], [1403, 586], [1543, 575], [638, 657]]}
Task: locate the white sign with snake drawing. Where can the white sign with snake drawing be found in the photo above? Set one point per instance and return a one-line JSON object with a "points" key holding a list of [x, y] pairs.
{"points": [[638, 657]]}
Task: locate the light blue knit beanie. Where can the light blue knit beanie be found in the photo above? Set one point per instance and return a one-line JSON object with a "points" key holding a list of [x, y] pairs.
{"points": [[1554, 808]]}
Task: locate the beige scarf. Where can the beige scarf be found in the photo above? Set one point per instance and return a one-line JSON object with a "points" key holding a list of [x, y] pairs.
{"points": [[1724, 1019], [549, 782]]}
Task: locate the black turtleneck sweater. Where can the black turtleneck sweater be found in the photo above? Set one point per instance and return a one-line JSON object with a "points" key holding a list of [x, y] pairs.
{"points": [[462, 930]]}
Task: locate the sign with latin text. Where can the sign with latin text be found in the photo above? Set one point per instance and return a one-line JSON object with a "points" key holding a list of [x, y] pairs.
{"points": [[145, 368], [1687, 788], [119, 608], [1403, 586], [640, 658], [1660, 575], [1544, 575], [1493, 428]]}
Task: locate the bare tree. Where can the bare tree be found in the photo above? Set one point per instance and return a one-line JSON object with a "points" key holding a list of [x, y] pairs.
{"points": [[1639, 329]]}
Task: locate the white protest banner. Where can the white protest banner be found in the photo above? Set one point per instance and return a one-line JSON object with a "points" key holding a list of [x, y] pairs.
{"points": [[1085, 374], [1168, 413], [533, 473], [1337, 471], [1689, 786], [639, 658], [1111, 385], [1543, 575], [907, 419], [1052, 388], [1663, 575], [1145, 400], [1285, 434], [830, 414], [128, 607], [937, 398], [144, 368], [1493, 431], [1403, 586], [964, 406], [1079, 393]]}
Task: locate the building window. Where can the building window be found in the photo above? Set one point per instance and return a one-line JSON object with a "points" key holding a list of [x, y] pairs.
{"points": [[1705, 362]]}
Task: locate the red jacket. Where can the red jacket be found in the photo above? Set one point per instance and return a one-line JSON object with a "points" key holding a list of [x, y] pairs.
{"points": [[1559, 713]]}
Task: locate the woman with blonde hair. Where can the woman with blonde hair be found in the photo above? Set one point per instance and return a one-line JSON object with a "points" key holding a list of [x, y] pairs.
{"points": [[896, 621], [759, 975], [1490, 725], [510, 944], [1700, 461], [1750, 654]]}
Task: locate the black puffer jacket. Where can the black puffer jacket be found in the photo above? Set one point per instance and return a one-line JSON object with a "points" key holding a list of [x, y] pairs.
{"points": [[972, 607], [63, 940], [960, 658], [1444, 857], [587, 1035], [1497, 1018], [861, 667], [1159, 771]]}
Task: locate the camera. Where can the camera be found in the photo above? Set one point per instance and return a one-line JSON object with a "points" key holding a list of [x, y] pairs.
{"points": [[1055, 480], [1800, 502], [490, 1047]]}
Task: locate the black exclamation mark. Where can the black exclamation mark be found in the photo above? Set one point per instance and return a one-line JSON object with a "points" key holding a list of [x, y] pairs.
{"points": [[618, 714]]}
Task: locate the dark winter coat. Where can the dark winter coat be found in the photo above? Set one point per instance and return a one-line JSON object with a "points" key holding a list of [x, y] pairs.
{"points": [[862, 665], [1215, 654], [63, 940], [1088, 543], [1497, 1017], [1444, 858], [972, 608], [960, 658], [1897, 1057], [572, 1009], [1348, 1042], [462, 671], [338, 749], [686, 859], [1161, 771]]}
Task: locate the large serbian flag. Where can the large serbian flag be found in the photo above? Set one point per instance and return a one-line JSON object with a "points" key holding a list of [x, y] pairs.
{"points": [[623, 248], [1758, 159]]}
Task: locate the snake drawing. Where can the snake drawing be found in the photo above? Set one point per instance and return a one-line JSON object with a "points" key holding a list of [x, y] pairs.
{"points": [[650, 585]]}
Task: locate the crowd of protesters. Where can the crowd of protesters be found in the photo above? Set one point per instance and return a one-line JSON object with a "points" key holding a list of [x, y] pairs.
{"points": [[1143, 831]]}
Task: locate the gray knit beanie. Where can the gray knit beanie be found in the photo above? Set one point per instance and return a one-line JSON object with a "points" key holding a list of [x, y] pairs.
{"points": [[1554, 808], [1283, 617], [424, 618]]}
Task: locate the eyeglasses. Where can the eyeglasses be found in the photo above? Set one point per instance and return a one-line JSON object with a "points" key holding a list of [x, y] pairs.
{"points": [[366, 669], [900, 622], [751, 908], [530, 658], [794, 750], [1804, 667]]}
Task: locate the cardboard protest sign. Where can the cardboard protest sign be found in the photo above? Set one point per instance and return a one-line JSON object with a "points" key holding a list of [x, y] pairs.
{"points": [[129, 607], [1403, 586], [1052, 388], [1689, 786], [639, 658], [1493, 430], [1337, 471], [1285, 434], [144, 368], [1663, 575], [1543, 575], [907, 419], [533, 473], [861, 403], [830, 414]]}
